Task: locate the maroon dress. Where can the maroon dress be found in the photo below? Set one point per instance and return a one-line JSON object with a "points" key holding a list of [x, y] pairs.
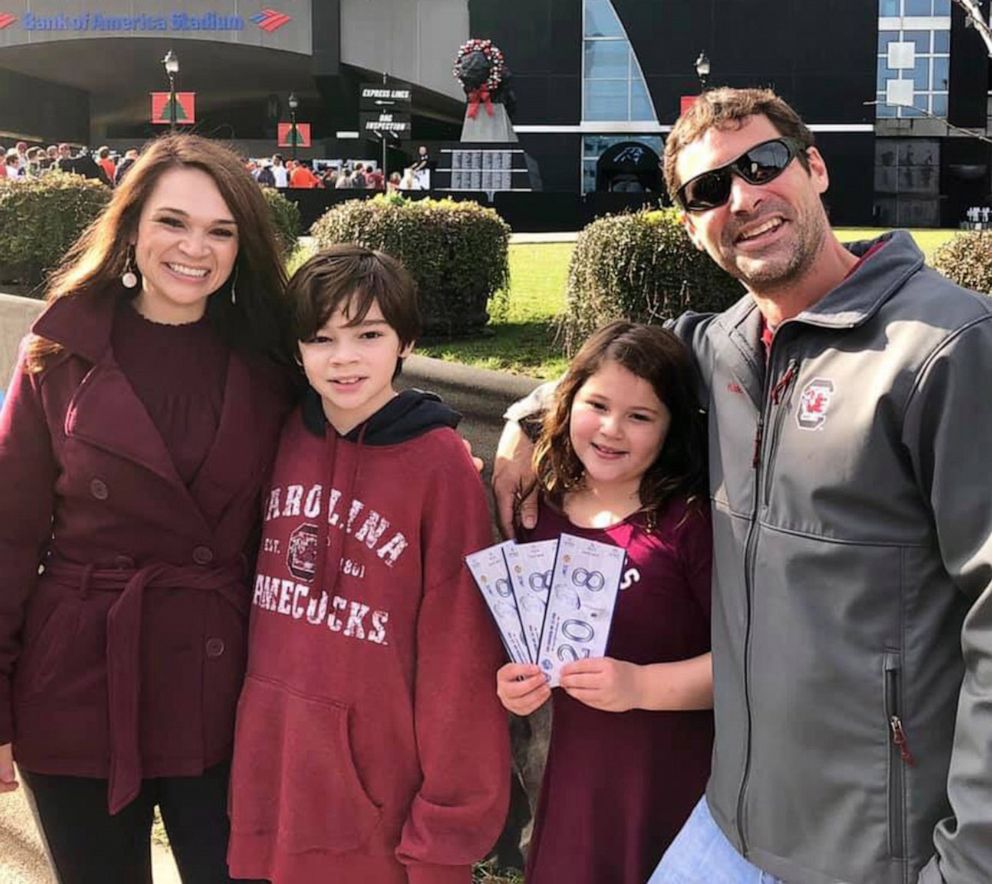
{"points": [[618, 786], [178, 373]]}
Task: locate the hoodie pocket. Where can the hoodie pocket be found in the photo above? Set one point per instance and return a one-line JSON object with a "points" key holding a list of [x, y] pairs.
{"points": [[293, 775]]}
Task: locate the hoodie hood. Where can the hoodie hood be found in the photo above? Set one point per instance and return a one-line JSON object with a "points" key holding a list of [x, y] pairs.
{"points": [[409, 414]]}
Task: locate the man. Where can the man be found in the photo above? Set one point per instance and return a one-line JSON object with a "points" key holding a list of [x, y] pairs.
{"points": [[279, 172], [852, 609], [106, 162], [302, 177], [130, 157]]}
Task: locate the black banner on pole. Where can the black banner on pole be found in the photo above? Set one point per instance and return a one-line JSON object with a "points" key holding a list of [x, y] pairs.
{"points": [[384, 122], [379, 97]]}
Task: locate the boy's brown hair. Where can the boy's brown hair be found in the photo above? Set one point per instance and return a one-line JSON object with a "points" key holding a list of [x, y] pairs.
{"points": [[353, 277], [727, 108]]}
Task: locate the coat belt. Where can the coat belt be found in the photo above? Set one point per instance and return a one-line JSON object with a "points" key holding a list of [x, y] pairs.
{"points": [[124, 647]]}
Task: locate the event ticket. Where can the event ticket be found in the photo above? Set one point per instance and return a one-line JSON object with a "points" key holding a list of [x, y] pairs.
{"points": [[488, 567], [531, 566], [584, 591]]}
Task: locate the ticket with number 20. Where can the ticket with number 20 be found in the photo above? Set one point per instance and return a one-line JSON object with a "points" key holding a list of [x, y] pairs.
{"points": [[584, 590]]}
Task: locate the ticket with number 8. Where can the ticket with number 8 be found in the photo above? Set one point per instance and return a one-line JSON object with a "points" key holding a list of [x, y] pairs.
{"points": [[584, 590], [488, 567], [531, 566]]}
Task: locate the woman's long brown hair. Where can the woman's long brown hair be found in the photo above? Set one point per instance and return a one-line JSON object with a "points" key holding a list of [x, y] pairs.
{"points": [[660, 358], [258, 320]]}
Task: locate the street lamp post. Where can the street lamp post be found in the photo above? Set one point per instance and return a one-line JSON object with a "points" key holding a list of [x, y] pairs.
{"points": [[293, 103], [171, 63], [702, 70]]}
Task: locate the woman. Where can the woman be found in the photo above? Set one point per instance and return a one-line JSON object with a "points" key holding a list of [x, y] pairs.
{"points": [[133, 444]]}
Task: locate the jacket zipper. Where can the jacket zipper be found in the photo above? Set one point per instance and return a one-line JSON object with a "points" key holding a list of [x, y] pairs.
{"points": [[749, 553], [900, 757], [778, 402]]}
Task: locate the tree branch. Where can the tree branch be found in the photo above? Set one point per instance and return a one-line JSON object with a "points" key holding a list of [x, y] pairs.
{"points": [[973, 11]]}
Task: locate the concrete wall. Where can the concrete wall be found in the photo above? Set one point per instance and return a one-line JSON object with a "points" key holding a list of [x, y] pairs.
{"points": [[16, 316]]}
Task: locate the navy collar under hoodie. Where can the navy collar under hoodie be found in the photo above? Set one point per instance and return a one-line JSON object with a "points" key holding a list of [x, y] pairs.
{"points": [[409, 414]]}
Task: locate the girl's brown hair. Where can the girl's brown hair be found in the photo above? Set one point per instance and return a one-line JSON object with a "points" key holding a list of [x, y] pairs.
{"points": [[661, 359], [256, 319]]}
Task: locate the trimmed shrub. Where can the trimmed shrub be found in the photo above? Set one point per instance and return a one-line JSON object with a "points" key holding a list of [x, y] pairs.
{"points": [[641, 267], [40, 219], [967, 260], [456, 251], [285, 216]]}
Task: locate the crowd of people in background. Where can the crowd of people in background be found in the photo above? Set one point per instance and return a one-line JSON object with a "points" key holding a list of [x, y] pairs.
{"points": [[23, 163]]}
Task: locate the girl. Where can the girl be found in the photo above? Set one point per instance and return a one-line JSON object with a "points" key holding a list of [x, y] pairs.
{"points": [[620, 460], [140, 423]]}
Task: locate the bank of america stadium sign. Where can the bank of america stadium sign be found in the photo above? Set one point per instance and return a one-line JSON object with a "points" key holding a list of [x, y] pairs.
{"points": [[268, 20]]}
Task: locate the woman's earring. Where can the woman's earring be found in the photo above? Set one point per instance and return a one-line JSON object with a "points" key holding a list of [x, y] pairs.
{"points": [[234, 281], [129, 279]]}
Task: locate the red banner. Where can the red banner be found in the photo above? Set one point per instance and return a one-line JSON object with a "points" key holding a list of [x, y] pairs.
{"points": [[286, 137], [185, 108]]}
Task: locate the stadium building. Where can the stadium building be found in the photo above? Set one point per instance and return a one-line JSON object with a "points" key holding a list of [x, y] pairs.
{"points": [[897, 91]]}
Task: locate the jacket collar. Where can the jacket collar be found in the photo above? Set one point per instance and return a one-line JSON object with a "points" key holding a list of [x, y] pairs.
{"points": [[81, 323], [105, 411], [860, 295]]}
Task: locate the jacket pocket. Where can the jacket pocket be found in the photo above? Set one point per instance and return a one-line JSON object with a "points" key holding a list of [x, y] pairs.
{"points": [[900, 756], [48, 631], [293, 776]]}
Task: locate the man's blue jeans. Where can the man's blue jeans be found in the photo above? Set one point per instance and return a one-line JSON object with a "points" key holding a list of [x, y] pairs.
{"points": [[701, 854]]}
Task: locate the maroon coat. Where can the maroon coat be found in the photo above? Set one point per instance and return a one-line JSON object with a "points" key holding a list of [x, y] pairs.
{"points": [[124, 659]]}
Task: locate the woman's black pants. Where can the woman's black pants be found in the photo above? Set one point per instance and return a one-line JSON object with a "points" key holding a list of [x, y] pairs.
{"points": [[86, 845]]}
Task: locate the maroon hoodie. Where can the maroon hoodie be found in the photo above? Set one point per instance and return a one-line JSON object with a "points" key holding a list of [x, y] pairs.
{"points": [[370, 746]]}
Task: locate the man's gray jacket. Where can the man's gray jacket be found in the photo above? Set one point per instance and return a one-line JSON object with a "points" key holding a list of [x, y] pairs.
{"points": [[851, 481]]}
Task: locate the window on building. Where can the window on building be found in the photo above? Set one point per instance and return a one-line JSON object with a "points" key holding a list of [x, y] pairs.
{"points": [[594, 146], [613, 87], [914, 41]]}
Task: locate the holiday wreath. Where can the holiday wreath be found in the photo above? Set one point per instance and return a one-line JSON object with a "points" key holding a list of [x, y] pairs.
{"points": [[480, 68]]}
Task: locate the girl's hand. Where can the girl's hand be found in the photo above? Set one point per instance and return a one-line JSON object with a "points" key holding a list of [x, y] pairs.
{"points": [[604, 683], [8, 782], [522, 687]]}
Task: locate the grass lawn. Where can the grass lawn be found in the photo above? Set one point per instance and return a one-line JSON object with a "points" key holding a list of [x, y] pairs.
{"points": [[525, 343]]}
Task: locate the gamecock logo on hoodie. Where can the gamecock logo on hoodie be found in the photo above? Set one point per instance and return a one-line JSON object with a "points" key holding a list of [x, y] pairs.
{"points": [[301, 558]]}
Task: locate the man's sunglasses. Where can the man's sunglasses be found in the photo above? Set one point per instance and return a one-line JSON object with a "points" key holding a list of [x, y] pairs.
{"points": [[762, 163]]}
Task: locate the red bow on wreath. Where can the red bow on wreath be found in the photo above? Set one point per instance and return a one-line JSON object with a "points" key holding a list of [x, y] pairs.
{"points": [[477, 97]]}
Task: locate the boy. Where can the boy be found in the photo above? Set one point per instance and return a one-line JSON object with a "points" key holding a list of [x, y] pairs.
{"points": [[369, 746]]}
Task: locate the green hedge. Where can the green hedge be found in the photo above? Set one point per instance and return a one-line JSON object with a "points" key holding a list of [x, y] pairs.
{"points": [[40, 219], [456, 251], [285, 216], [642, 267], [967, 260]]}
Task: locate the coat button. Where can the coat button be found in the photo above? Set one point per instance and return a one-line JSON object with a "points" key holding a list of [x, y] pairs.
{"points": [[215, 647], [98, 488], [203, 555]]}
